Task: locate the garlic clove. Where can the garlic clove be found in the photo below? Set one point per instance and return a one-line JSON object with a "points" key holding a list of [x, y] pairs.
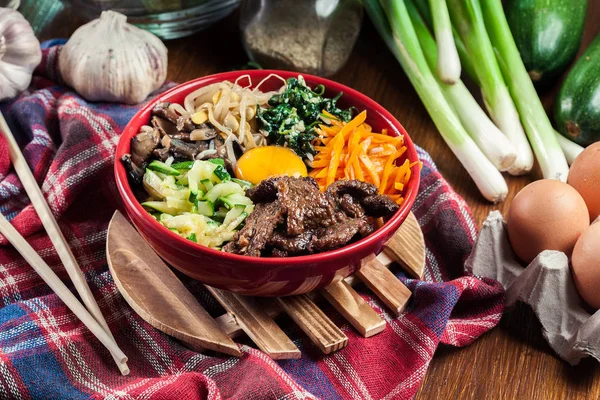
{"points": [[110, 60]]}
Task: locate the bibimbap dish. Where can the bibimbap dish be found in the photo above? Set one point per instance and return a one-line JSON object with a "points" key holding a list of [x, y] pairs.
{"points": [[267, 165]]}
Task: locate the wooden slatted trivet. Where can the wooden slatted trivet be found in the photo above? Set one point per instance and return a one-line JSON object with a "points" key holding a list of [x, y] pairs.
{"points": [[159, 297]]}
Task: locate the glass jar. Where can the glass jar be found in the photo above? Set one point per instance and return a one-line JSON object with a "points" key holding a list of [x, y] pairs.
{"points": [[311, 36]]}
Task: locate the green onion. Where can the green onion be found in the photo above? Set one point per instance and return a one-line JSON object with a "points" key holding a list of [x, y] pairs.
{"points": [[468, 21], [571, 149], [537, 125], [494, 144], [448, 63], [402, 40], [465, 60]]}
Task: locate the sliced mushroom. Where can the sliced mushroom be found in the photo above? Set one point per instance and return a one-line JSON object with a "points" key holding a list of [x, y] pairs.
{"points": [[162, 154], [187, 151], [203, 132], [185, 124], [142, 145], [162, 110], [221, 151], [238, 150], [206, 154], [135, 173], [185, 136], [165, 127]]}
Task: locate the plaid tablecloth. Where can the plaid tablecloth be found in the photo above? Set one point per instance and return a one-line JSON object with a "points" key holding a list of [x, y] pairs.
{"points": [[46, 353]]}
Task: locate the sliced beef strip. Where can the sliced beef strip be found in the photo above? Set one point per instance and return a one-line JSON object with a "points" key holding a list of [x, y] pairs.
{"points": [[370, 226], [354, 188], [379, 206], [142, 146], [306, 206], [347, 193], [186, 151], [259, 227], [264, 192], [279, 253], [292, 245], [336, 236], [350, 206]]}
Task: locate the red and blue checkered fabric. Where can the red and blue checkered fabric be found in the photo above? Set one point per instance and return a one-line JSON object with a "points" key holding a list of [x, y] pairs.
{"points": [[46, 353]]}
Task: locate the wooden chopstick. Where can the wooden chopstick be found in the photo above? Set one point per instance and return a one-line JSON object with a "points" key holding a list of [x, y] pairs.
{"points": [[55, 234], [46, 273]]}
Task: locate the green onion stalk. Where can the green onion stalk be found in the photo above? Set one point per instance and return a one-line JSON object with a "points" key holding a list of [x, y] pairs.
{"points": [[571, 149], [537, 125], [468, 22], [398, 32], [494, 144], [448, 63], [463, 54]]}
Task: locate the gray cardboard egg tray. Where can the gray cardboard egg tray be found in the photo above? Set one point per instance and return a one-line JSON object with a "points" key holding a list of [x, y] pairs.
{"points": [[546, 285]]}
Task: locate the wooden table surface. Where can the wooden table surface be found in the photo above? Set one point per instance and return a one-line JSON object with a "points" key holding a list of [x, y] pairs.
{"points": [[513, 361]]}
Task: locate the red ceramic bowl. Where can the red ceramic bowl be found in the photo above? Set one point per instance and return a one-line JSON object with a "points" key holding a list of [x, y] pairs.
{"points": [[259, 276]]}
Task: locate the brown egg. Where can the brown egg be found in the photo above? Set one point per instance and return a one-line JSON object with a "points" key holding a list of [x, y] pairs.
{"points": [[546, 215], [584, 176], [586, 265]]}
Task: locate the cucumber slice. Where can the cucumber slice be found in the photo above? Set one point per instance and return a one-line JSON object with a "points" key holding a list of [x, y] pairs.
{"points": [[183, 180], [235, 199], [222, 190], [211, 222], [242, 182], [195, 195], [153, 184], [178, 204], [220, 214], [200, 170], [218, 161], [163, 168], [231, 216], [160, 206], [221, 173], [207, 184], [205, 208], [184, 165], [236, 223]]}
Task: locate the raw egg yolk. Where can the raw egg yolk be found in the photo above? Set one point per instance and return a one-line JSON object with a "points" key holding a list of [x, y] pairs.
{"points": [[264, 162]]}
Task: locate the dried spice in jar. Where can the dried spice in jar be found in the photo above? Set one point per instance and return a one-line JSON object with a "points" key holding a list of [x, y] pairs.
{"points": [[314, 37]]}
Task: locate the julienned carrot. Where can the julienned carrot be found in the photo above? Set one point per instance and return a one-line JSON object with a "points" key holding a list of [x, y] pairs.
{"points": [[353, 151]]}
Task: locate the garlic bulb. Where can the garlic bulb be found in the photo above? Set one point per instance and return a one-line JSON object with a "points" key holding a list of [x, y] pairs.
{"points": [[19, 53], [111, 60]]}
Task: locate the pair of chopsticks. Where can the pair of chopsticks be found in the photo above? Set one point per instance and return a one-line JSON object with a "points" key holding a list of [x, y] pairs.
{"points": [[90, 315]]}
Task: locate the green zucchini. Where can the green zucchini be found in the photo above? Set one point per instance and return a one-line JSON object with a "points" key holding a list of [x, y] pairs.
{"points": [[184, 165], [577, 107], [221, 173], [235, 199], [206, 208], [547, 34], [163, 168], [241, 182], [160, 206]]}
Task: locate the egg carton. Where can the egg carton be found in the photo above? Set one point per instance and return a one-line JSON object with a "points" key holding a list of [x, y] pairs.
{"points": [[138, 271]]}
